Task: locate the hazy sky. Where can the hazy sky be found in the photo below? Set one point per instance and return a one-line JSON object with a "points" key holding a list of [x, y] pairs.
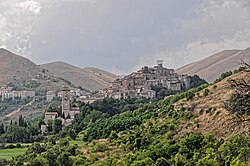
{"points": [[123, 35]]}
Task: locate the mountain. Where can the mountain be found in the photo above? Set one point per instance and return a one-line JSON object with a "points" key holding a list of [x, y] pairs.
{"points": [[212, 115], [20, 72], [14, 67], [104, 74], [88, 78], [211, 67]]}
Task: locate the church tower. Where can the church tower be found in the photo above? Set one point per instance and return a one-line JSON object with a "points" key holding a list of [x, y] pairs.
{"points": [[65, 101]]}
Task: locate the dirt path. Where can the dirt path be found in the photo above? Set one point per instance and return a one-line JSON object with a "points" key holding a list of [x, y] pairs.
{"points": [[18, 110]]}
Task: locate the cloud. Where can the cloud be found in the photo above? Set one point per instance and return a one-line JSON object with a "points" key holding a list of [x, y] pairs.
{"points": [[215, 25], [30, 6], [122, 36], [17, 18]]}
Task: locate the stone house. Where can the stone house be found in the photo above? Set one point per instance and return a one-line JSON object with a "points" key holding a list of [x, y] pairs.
{"points": [[50, 96]]}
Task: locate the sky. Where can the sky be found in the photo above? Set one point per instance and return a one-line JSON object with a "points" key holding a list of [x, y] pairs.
{"points": [[121, 36]]}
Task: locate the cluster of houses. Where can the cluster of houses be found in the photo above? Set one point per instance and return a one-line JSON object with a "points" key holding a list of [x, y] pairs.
{"points": [[74, 93], [8, 93], [139, 84], [68, 110], [136, 85]]}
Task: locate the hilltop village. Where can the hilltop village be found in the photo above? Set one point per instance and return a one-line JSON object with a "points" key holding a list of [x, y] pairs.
{"points": [[139, 84], [136, 85]]}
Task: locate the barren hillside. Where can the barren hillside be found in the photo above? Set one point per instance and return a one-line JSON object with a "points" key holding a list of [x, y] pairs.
{"points": [[212, 117], [211, 67], [14, 67], [89, 78], [19, 71], [104, 74]]}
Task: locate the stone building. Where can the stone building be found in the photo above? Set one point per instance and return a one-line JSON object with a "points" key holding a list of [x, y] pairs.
{"points": [[139, 84], [9, 93], [50, 96], [69, 111], [50, 116], [66, 101]]}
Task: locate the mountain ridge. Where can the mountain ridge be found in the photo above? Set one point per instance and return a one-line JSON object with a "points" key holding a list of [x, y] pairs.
{"points": [[89, 78], [15, 68], [211, 67]]}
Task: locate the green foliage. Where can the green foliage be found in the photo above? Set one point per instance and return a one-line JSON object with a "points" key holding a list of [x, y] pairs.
{"points": [[239, 70], [239, 103], [103, 127], [206, 92], [56, 126], [196, 81], [39, 161], [31, 84], [61, 153], [140, 133], [229, 73], [113, 135], [161, 91], [98, 147], [190, 95]]}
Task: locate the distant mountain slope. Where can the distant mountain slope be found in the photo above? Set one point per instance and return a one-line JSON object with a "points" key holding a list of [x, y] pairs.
{"points": [[106, 75], [89, 78], [19, 71], [211, 67], [14, 67]]}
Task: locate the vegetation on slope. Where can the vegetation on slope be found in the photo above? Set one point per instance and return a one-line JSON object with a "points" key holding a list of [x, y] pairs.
{"points": [[131, 132]]}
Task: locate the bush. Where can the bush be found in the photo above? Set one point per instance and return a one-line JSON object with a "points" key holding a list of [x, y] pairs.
{"points": [[10, 146], [189, 96], [18, 145], [100, 147], [206, 92]]}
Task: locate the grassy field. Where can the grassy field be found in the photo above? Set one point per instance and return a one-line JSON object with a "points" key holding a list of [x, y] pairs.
{"points": [[9, 153]]}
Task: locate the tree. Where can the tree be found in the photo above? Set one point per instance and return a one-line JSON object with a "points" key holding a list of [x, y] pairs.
{"points": [[51, 156], [21, 121], [79, 160], [56, 126], [189, 95], [64, 159], [162, 162], [239, 101], [196, 81], [206, 92], [39, 161], [2, 131]]}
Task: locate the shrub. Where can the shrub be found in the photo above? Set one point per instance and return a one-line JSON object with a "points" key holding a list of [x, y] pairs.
{"points": [[189, 96], [206, 92], [100, 147], [10, 146], [18, 145]]}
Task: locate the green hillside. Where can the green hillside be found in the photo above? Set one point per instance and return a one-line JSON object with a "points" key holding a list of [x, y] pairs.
{"points": [[141, 132]]}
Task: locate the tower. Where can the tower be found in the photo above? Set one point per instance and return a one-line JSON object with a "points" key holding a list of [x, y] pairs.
{"points": [[65, 101], [160, 63]]}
